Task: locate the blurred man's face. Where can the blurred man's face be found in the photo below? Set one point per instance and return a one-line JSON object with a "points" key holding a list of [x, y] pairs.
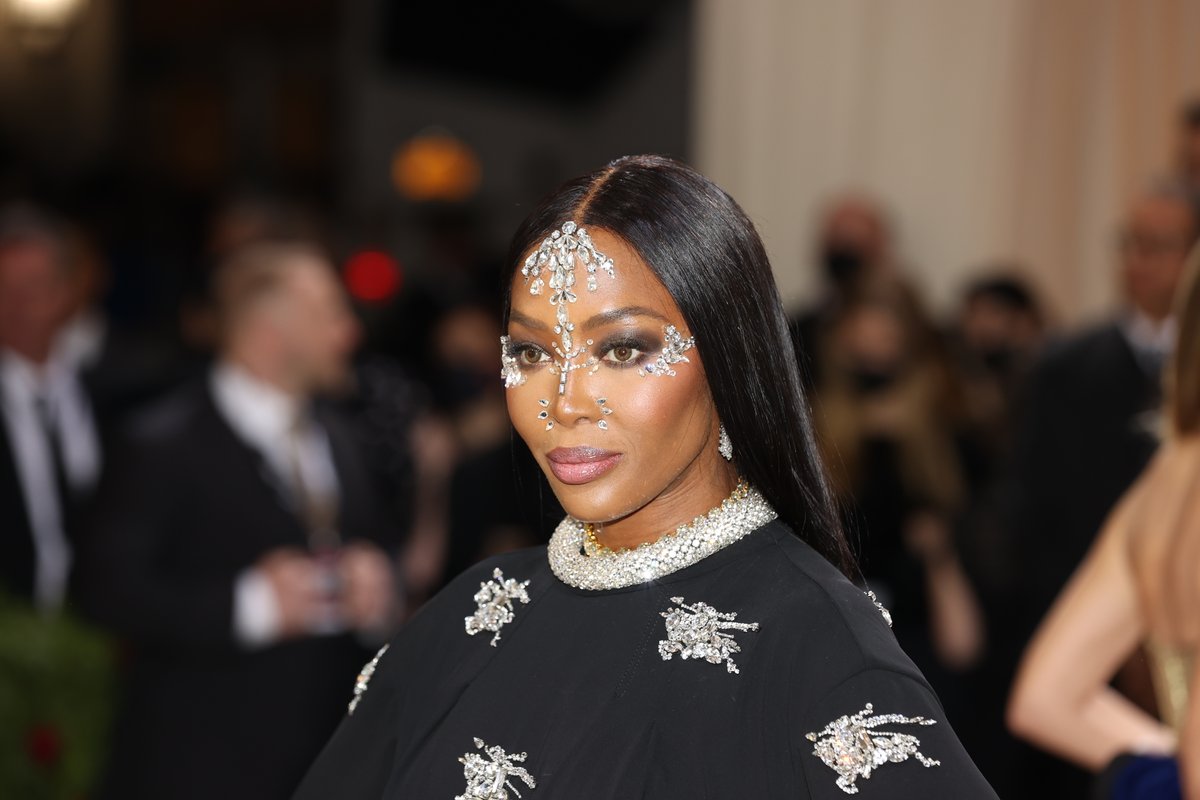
{"points": [[36, 299], [854, 242], [317, 331], [990, 326], [1154, 246]]}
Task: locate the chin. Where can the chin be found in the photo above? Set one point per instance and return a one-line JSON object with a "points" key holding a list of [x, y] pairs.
{"points": [[597, 501]]}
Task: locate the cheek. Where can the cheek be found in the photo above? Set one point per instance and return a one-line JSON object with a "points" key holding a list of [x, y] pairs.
{"points": [[654, 411]]}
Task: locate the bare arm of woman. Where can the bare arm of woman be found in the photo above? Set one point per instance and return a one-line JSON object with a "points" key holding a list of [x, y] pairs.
{"points": [[1061, 699]]}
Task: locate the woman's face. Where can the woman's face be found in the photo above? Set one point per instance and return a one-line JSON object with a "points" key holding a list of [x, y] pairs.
{"points": [[617, 411]]}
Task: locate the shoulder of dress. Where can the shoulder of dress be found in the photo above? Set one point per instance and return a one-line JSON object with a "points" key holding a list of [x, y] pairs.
{"points": [[816, 610], [521, 563]]}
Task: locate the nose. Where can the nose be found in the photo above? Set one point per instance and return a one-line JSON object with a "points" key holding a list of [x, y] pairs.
{"points": [[573, 403]]}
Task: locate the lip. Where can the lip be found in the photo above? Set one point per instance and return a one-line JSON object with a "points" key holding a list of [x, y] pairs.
{"points": [[576, 465]]}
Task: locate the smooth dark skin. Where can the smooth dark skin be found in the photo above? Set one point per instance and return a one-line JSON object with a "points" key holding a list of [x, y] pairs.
{"points": [[665, 427]]}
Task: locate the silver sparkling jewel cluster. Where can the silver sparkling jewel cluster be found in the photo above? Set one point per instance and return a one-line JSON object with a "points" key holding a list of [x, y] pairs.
{"points": [[489, 774], [733, 519], [674, 347], [887, 615], [602, 424], [495, 599], [510, 369], [364, 678], [852, 748], [700, 631], [557, 258]]}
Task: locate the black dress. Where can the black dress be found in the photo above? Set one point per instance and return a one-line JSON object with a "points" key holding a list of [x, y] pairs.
{"points": [[590, 687]]}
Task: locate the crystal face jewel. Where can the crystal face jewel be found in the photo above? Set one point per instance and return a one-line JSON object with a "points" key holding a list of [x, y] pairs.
{"points": [[495, 599], [490, 777], [852, 748], [672, 352], [557, 257], [887, 615], [686, 545], [699, 631], [364, 678], [510, 370]]}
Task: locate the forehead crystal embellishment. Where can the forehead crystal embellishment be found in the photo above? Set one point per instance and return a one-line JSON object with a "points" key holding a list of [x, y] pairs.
{"points": [[556, 258], [852, 748], [742, 512], [672, 353], [699, 631], [489, 778], [364, 678], [495, 600]]}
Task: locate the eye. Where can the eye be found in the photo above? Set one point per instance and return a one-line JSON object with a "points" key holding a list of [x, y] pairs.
{"points": [[530, 355], [624, 353]]}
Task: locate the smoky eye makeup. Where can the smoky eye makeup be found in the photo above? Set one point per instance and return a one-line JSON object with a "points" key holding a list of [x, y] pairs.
{"points": [[524, 353], [626, 350]]}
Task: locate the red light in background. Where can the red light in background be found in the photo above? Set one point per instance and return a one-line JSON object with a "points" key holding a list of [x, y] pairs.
{"points": [[372, 276]]}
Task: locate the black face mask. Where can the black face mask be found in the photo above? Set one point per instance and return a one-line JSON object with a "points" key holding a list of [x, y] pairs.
{"points": [[871, 381], [998, 360], [842, 264]]}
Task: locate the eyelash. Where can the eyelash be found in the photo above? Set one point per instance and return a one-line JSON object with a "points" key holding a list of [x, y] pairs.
{"points": [[641, 347]]}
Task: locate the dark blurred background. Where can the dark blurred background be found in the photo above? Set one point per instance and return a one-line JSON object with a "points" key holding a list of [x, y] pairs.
{"points": [[251, 260]]}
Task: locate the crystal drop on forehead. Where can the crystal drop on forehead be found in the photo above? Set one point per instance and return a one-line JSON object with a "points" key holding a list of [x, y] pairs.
{"points": [[558, 255]]}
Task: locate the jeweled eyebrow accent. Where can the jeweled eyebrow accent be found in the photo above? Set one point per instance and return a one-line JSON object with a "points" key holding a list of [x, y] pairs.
{"points": [[527, 321], [618, 314]]}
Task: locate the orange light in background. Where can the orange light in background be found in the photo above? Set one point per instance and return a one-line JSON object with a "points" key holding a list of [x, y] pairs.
{"points": [[372, 276], [435, 166]]}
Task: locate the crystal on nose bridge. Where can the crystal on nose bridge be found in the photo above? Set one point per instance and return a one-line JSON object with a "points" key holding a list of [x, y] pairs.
{"points": [[568, 362]]}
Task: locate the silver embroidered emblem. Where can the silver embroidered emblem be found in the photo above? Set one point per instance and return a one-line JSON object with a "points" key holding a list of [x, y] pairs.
{"points": [[495, 599], [887, 615], [698, 631], [364, 678], [488, 778], [852, 748]]}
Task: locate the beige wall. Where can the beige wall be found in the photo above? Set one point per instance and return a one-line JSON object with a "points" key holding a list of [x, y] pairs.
{"points": [[994, 129]]}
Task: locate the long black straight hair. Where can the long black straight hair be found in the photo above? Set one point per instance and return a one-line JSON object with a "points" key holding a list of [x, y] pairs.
{"points": [[709, 256]]}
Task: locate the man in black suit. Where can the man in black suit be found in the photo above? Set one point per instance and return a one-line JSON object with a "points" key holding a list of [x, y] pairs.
{"points": [[243, 548], [50, 453], [1090, 418]]}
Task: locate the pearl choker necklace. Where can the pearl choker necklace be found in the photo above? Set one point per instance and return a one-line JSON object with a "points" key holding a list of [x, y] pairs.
{"points": [[742, 512]]}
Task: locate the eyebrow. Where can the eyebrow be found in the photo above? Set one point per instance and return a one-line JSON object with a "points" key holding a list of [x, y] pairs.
{"points": [[526, 320], [616, 314], [594, 321]]}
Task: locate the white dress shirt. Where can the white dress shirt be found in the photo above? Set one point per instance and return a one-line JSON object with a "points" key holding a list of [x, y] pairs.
{"points": [[22, 386], [264, 418], [1152, 342]]}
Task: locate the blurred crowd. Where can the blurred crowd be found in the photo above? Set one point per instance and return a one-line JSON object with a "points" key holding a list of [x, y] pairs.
{"points": [[250, 499]]}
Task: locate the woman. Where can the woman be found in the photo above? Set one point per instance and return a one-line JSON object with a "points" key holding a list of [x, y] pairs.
{"points": [[1138, 585], [893, 435], [690, 630]]}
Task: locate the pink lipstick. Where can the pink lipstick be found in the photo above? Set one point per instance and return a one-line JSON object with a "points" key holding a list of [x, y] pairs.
{"points": [[576, 465]]}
